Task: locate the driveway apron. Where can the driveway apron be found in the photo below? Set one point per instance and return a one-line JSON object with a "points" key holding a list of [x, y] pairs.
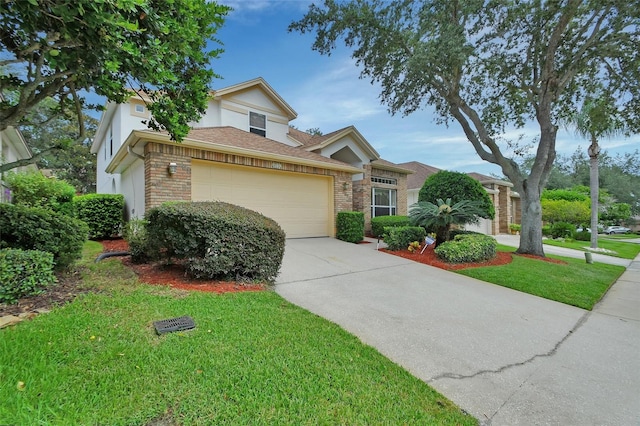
{"points": [[504, 356]]}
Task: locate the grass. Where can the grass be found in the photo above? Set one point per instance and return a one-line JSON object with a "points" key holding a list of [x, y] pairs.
{"points": [[253, 358], [574, 283], [619, 248]]}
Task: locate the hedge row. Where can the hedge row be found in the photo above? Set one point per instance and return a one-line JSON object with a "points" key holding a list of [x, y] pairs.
{"points": [[350, 226], [379, 223], [102, 212], [216, 240], [399, 237]]}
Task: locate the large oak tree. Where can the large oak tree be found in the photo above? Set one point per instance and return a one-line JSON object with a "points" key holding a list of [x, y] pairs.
{"points": [[491, 65], [59, 49]]}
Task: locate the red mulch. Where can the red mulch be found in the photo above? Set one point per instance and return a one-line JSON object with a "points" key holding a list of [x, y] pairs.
{"points": [[174, 275], [429, 258]]}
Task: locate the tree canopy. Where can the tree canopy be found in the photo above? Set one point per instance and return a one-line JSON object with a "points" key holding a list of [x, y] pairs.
{"points": [[491, 66], [59, 49], [457, 187]]}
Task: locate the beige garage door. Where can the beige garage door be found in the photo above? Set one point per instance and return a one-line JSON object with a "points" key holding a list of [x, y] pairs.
{"points": [[302, 204]]}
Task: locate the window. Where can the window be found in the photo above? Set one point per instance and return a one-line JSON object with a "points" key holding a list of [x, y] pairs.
{"points": [[388, 181], [258, 123], [383, 202], [139, 109]]}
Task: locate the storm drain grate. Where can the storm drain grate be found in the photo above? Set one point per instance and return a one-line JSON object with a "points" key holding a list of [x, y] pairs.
{"points": [[174, 324]]}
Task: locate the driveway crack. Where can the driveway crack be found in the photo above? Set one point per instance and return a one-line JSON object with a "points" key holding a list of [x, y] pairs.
{"points": [[547, 354]]}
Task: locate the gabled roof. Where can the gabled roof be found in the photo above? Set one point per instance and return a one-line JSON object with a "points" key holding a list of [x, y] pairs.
{"points": [[420, 173], [383, 164], [312, 143], [484, 179], [262, 84], [228, 140]]}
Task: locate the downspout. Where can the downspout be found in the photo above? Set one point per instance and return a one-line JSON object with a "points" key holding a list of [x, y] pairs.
{"points": [[135, 154]]}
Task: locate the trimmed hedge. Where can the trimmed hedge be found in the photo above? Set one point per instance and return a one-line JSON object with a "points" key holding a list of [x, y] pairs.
{"points": [[467, 248], [399, 237], [582, 235], [216, 240], [41, 229], [102, 212], [562, 230], [24, 273], [379, 223], [350, 226]]}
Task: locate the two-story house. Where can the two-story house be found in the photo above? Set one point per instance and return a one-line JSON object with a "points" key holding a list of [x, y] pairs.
{"points": [[244, 151]]}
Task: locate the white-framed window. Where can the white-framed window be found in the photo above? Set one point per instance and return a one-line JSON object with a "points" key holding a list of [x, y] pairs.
{"points": [[139, 109], [383, 202], [258, 123], [388, 181]]}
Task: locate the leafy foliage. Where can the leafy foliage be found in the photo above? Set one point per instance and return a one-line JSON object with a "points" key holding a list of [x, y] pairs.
{"points": [[467, 249], [24, 273], [440, 217], [490, 66], [57, 48], [102, 212], [564, 194], [350, 226], [135, 232], [30, 228], [399, 237], [575, 212], [217, 240], [33, 189], [562, 230], [379, 223], [456, 186]]}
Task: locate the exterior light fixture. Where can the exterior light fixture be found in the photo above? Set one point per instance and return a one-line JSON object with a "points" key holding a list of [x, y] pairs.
{"points": [[345, 185], [173, 168]]}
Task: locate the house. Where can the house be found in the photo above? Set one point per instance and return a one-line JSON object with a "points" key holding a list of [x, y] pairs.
{"points": [[506, 202], [12, 148], [244, 151]]}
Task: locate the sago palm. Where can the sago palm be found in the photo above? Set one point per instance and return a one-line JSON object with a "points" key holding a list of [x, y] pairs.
{"points": [[442, 215]]}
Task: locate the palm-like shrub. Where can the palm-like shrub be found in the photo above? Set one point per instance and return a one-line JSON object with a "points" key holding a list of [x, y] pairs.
{"points": [[439, 217]]}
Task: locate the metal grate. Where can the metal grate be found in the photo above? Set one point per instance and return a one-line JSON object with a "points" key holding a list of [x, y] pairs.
{"points": [[174, 324]]}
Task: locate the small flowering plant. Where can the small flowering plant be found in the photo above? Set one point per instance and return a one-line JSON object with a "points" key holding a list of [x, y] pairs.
{"points": [[414, 246]]}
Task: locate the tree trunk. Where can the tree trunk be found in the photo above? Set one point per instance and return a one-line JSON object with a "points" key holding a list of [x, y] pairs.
{"points": [[594, 187], [531, 230]]}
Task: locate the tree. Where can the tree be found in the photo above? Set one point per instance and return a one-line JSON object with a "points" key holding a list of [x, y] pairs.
{"points": [[598, 118], [492, 65], [59, 49], [457, 187], [442, 215], [54, 139]]}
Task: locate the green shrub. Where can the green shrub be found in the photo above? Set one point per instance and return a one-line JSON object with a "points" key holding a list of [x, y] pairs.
{"points": [[379, 223], [546, 230], [40, 229], [102, 212], [582, 236], [350, 226], [24, 273], [467, 248], [32, 189], [217, 240], [562, 230], [135, 232], [399, 237], [455, 232]]}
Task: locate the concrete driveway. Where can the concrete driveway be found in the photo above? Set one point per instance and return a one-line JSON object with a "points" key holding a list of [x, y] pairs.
{"points": [[506, 357]]}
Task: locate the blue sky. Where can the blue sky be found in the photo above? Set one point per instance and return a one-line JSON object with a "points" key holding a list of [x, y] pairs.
{"points": [[327, 93]]}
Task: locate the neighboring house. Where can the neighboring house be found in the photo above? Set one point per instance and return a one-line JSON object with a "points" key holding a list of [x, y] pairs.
{"points": [[243, 151], [12, 148], [506, 202]]}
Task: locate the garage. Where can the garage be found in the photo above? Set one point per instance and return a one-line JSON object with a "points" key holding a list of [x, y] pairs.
{"points": [[301, 203]]}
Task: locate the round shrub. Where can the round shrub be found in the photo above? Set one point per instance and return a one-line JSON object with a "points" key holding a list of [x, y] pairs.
{"points": [[467, 249], [562, 230], [350, 226], [40, 229], [216, 240], [379, 223], [24, 273], [399, 237], [33, 189], [102, 212], [582, 236]]}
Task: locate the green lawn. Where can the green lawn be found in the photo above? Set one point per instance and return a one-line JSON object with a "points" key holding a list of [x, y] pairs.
{"points": [[574, 283], [252, 359], [619, 248]]}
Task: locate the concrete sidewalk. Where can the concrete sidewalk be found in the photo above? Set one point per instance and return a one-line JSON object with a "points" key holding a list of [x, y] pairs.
{"points": [[506, 357]]}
